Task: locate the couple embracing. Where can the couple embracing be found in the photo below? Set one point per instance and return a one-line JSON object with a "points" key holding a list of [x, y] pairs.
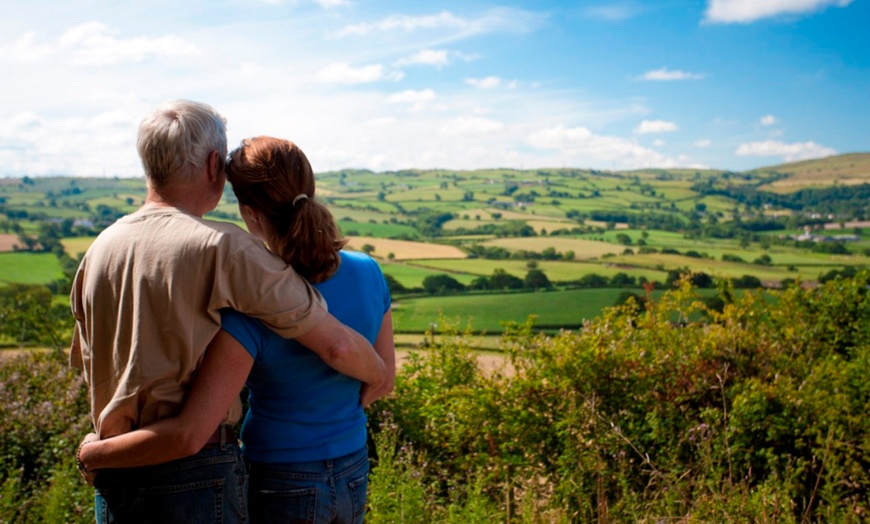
{"points": [[175, 314]]}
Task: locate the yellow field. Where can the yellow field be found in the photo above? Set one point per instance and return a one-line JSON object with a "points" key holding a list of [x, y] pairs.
{"points": [[75, 246], [405, 250], [583, 249]]}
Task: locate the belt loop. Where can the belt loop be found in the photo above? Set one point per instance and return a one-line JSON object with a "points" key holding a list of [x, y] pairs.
{"points": [[223, 437]]}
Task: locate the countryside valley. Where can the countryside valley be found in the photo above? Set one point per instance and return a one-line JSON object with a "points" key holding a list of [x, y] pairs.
{"points": [[488, 246]]}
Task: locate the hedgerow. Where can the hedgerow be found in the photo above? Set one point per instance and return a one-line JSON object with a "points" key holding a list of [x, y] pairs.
{"points": [[757, 412]]}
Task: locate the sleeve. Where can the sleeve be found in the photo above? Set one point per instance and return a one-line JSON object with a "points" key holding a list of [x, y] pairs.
{"points": [[76, 359], [255, 282], [244, 329]]}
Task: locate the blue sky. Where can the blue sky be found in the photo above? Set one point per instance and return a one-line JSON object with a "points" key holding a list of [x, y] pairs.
{"points": [[386, 85]]}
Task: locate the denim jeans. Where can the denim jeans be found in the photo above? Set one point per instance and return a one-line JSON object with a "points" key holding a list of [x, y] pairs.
{"points": [[319, 492], [209, 487]]}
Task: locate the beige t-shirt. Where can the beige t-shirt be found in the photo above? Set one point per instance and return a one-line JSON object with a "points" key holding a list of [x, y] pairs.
{"points": [[146, 298]]}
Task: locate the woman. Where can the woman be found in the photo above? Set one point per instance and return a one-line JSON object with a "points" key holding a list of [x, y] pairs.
{"points": [[304, 434]]}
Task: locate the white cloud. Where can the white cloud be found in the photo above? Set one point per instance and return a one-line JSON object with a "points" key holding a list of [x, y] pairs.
{"points": [[768, 120], [329, 4], [471, 125], [655, 126], [411, 97], [702, 143], [658, 142], [382, 121], [31, 145], [488, 82], [789, 152], [581, 144], [500, 19], [93, 44], [343, 73], [666, 75], [426, 57], [746, 11], [26, 49]]}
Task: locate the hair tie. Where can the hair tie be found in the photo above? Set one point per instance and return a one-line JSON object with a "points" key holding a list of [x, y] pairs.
{"points": [[300, 196]]}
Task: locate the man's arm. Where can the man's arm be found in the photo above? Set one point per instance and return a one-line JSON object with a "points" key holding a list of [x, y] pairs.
{"points": [[345, 350], [214, 388]]}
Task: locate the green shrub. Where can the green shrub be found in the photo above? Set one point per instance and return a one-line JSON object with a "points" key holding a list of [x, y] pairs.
{"points": [[752, 411], [43, 415]]}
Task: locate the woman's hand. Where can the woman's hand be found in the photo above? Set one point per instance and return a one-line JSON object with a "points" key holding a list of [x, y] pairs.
{"points": [[88, 476]]}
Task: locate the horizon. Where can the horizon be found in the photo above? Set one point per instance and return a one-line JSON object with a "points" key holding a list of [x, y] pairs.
{"points": [[613, 86]]}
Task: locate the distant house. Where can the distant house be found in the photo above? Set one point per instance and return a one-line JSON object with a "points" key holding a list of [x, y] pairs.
{"points": [[808, 236]]}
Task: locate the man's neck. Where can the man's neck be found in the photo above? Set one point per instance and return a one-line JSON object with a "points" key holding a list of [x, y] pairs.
{"points": [[183, 198]]}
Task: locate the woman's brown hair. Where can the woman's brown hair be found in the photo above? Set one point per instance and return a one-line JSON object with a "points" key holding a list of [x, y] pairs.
{"points": [[274, 177]]}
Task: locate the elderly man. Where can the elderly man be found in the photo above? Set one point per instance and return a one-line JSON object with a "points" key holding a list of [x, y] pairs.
{"points": [[146, 299]]}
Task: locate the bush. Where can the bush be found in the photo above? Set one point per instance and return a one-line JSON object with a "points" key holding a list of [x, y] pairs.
{"points": [[680, 412], [43, 415]]}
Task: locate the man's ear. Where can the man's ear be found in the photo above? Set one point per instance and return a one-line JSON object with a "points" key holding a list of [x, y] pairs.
{"points": [[215, 166]]}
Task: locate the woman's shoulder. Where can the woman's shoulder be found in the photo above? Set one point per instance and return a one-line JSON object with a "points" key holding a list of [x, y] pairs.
{"points": [[358, 258], [356, 263]]}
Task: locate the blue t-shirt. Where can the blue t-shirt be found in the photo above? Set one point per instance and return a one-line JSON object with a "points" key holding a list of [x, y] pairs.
{"points": [[300, 408]]}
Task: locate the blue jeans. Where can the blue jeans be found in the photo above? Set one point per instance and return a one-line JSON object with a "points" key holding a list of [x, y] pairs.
{"points": [[209, 487], [319, 492]]}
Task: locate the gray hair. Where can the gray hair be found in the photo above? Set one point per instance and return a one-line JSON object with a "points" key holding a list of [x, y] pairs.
{"points": [[175, 140]]}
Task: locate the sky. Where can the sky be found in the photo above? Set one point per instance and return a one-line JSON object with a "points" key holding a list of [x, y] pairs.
{"points": [[388, 85]]}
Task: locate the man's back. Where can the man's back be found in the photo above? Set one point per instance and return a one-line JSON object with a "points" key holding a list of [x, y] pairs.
{"points": [[146, 298]]}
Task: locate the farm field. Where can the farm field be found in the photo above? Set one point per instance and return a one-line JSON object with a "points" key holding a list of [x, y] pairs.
{"points": [[422, 223], [556, 271], [583, 249], [488, 312], [411, 276], [29, 268], [405, 250]]}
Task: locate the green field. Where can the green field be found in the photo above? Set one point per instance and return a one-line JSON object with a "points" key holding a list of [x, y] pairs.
{"points": [[487, 312], [412, 276], [29, 268], [556, 271]]}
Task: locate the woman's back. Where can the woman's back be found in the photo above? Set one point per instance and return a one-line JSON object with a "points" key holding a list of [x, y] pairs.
{"points": [[301, 409]]}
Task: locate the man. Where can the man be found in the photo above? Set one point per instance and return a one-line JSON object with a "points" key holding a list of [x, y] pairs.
{"points": [[146, 298]]}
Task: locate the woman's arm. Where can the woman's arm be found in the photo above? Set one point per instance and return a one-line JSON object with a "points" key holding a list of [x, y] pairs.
{"points": [[214, 388], [386, 349]]}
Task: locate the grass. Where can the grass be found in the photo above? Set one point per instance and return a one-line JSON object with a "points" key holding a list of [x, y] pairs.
{"points": [[412, 276], [29, 268], [489, 312], [556, 271]]}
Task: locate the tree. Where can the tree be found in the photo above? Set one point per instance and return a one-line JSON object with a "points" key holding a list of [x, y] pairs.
{"points": [[537, 279], [368, 249], [592, 280], [28, 315], [622, 279], [435, 284], [394, 285], [501, 279]]}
